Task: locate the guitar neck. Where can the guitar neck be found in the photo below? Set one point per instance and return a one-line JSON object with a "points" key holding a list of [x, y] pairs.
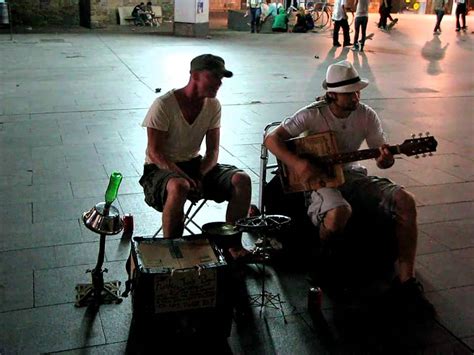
{"points": [[363, 154]]}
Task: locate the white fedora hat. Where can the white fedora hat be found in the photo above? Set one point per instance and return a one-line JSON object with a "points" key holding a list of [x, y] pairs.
{"points": [[342, 77]]}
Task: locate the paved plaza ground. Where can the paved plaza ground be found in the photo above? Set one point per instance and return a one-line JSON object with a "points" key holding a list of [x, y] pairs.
{"points": [[71, 106]]}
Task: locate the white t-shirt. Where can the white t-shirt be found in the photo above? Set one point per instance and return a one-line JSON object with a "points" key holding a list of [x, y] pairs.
{"points": [[337, 13], [183, 140], [362, 124], [362, 8]]}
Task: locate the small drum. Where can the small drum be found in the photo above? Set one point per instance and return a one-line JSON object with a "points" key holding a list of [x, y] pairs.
{"points": [[180, 285], [223, 235]]}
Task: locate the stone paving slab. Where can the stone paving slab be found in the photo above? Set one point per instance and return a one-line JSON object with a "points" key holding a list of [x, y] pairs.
{"points": [[444, 267], [17, 290], [48, 329], [54, 286], [455, 234]]}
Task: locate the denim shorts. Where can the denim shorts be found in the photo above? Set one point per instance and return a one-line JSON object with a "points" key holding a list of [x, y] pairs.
{"points": [[360, 192], [216, 184]]}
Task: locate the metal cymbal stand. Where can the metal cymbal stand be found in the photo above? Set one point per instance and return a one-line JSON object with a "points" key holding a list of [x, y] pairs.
{"points": [[103, 219], [262, 225]]}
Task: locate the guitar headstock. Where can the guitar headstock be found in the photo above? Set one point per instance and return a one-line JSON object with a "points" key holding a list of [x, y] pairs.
{"points": [[421, 145]]}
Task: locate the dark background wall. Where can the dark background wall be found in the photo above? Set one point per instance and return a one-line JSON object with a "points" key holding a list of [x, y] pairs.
{"points": [[45, 12]]}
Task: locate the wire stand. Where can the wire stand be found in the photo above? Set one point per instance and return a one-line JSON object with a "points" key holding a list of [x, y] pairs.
{"points": [[98, 292], [262, 225], [105, 220]]}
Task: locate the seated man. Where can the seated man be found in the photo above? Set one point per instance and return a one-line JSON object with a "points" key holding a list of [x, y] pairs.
{"points": [[151, 17], [177, 123], [353, 122], [138, 12]]}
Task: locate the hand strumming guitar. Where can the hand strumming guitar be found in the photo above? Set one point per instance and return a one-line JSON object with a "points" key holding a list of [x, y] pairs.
{"points": [[385, 160], [307, 171]]}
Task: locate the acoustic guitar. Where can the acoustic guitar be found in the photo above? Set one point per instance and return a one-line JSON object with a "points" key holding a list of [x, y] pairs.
{"points": [[321, 150]]}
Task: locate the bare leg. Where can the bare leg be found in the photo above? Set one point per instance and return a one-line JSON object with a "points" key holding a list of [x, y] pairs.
{"points": [[406, 232], [238, 207], [334, 222], [177, 189], [239, 203]]}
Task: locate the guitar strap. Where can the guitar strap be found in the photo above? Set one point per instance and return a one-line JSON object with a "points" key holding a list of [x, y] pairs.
{"points": [[317, 105]]}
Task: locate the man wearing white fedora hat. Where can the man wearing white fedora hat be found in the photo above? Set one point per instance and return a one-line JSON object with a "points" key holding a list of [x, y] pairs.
{"points": [[353, 122]]}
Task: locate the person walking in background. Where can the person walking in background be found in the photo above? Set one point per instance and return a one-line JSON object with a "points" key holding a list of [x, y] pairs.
{"points": [[384, 11], [361, 20], [439, 8], [339, 17], [254, 7], [461, 10]]}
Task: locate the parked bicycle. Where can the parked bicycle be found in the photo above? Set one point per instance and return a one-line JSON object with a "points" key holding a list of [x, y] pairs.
{"points": [[322, 14]]}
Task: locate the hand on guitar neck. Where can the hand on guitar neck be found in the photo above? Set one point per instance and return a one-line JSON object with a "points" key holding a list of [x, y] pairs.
{"points": [[385, 160]]}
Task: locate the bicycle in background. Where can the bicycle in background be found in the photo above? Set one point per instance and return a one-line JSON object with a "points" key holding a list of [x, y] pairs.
{"points": [[322, 14]]}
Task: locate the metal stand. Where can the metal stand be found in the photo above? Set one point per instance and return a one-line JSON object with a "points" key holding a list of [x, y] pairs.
{"points": [[262, 225], [99, 292]]}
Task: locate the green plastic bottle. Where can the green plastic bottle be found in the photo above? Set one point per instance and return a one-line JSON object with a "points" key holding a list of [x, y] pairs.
{"points": [[112, 189]]}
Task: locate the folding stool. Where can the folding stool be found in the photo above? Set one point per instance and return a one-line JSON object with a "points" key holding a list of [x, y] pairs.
{"points": [[191, 212]]}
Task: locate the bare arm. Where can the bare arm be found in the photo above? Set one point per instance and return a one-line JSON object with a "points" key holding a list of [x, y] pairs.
{"points": [[275, 142], [156, 141], [212, 150]]}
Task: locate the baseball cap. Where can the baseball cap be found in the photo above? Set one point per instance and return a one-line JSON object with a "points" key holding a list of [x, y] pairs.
{"points": [[212, 63]]}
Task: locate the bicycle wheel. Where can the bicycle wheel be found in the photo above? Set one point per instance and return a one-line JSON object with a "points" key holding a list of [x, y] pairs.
{"points": [[315, 14], [320, 21], [325, 19]]}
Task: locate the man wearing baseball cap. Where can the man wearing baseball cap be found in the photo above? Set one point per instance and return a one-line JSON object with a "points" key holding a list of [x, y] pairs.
{"points": [[353, 122], [177, 123]]}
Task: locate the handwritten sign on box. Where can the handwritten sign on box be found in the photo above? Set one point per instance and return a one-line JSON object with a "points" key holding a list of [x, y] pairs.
{"points": [[186, 289]]}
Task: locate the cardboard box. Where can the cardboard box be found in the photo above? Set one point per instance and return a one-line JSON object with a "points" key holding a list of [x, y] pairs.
{"points": [[175, 275]]}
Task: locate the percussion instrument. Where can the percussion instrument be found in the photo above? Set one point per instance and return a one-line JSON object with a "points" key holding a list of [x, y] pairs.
{"points": [[182, 285]]}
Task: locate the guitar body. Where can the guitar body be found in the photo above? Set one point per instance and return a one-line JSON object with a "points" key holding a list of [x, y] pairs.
{"points": [[321, 150], [315, 145]]}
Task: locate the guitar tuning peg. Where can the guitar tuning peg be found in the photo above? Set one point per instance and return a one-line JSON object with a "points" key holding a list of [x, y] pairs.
{"points": [[430, 154], [427, 134], [417, 157], [420, 135], [413, 135], [423, 155]]}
